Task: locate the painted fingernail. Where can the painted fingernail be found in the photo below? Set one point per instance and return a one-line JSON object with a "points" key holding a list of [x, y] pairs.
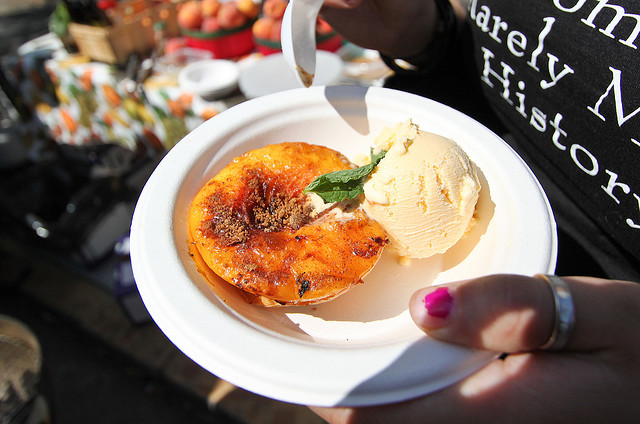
{"points": [[438, 303]]}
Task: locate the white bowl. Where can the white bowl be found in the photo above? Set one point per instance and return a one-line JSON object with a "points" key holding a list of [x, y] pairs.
{"points": [[272, 74], [210, 79], [361, 348]]}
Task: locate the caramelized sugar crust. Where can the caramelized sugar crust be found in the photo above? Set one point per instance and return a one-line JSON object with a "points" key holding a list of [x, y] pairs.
{"points": [[253, 228]]}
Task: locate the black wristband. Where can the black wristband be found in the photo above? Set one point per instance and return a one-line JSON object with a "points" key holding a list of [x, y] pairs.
{"points": [[423, 62]]}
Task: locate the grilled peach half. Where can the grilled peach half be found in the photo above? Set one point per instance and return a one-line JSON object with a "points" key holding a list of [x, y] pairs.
{"points": [[254, 226]]}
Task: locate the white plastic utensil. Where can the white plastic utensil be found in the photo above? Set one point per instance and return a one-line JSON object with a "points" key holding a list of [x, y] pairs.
{"points": [[298, 38]]}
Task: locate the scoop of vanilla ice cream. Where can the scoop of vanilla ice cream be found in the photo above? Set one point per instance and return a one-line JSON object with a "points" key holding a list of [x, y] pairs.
{"points": [[423, 192]]}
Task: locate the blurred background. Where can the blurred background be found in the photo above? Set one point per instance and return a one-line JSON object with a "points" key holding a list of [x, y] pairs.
{"points": [[93, 94]]}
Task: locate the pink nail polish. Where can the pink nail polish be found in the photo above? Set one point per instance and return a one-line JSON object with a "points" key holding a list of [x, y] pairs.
{"points": [[438, 303]]}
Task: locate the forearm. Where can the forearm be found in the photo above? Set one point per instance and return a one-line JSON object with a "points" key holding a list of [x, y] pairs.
{"points": [[415, 31], [450, 76], [442, 37]]}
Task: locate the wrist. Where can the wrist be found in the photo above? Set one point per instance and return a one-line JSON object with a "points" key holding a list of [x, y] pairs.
{"points": [[445, 32]]}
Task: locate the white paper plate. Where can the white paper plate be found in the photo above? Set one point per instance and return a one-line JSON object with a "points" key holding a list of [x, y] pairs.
{"points": [[271, 74], [210, 79], [363, 347]]}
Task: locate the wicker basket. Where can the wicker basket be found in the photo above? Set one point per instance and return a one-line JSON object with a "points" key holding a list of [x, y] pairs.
{"points": [[130, 33]]}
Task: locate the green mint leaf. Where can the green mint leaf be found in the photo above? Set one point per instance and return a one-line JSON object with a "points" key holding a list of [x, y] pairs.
{"points": [[344, 184], [377, 157]]}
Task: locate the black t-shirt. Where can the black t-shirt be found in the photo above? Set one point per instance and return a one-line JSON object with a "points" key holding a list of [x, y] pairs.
{"points": [[563, 77]]}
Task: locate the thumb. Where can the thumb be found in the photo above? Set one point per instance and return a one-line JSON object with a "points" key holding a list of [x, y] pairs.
{"points": [[513, 313]]}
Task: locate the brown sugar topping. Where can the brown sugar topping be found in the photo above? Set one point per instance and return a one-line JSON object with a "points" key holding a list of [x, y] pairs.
{"points": [[268, 210], [279, 211], [223, 225]]}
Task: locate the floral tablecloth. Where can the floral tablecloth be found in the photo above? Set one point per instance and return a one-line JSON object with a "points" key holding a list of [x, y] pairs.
{"points": [[82, 102], [96, 103]]}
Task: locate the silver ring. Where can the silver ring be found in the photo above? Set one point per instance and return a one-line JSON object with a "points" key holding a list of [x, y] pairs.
{"points": [[564, 315]]}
